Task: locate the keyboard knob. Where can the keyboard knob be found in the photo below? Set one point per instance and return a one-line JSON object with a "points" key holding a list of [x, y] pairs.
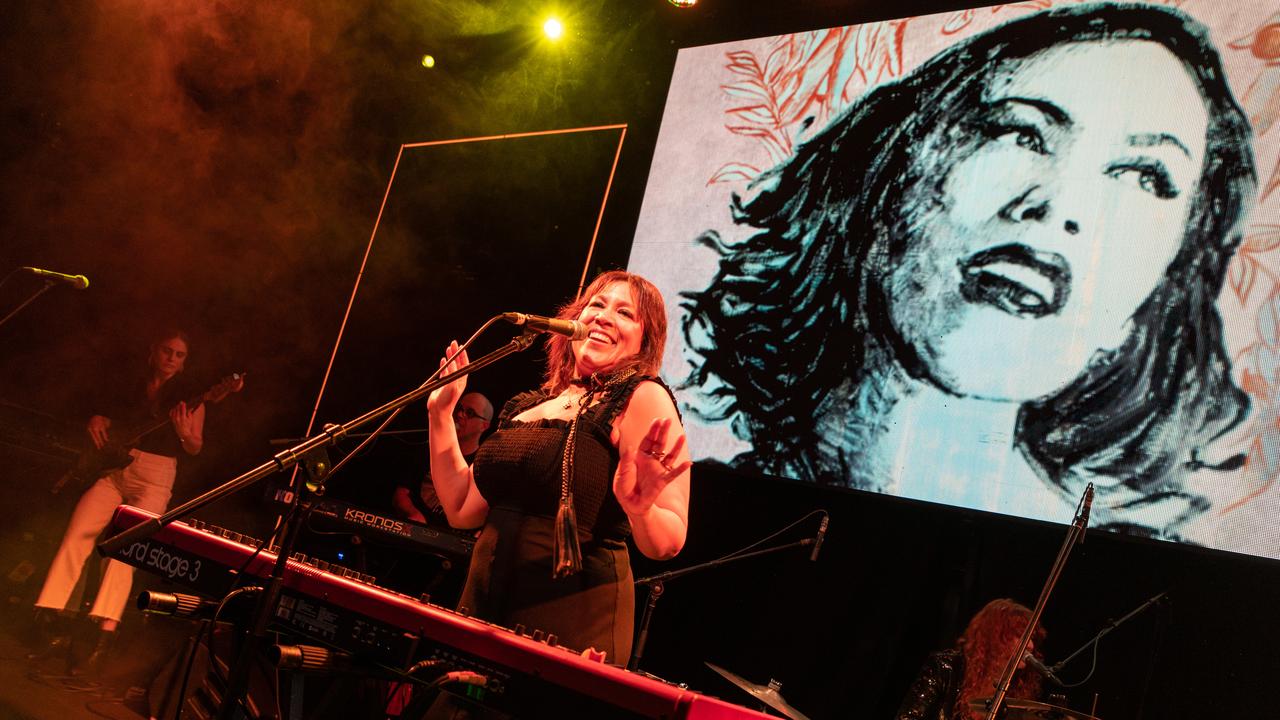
{"points": [[551, 639], [520, 629], [537, 635]]}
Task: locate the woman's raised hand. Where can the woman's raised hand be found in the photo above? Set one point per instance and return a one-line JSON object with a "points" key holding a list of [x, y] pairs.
{"points": [[445, 397], [645, 471]]}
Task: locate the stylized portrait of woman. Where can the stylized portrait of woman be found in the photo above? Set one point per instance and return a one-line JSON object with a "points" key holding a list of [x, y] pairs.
{"points": [[1001, 267]]}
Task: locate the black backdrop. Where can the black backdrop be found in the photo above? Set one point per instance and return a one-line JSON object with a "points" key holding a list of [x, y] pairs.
{"points": [[222, 170]]}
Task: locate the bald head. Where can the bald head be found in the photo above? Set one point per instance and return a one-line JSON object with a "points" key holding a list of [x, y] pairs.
{"points": [[472, 416]]}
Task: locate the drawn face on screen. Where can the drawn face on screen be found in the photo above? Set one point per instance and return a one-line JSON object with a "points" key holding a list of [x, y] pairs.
{"points": [[1064, 196]]}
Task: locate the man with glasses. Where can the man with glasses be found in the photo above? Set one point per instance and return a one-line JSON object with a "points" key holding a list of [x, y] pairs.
{"points": [[415, 498]]}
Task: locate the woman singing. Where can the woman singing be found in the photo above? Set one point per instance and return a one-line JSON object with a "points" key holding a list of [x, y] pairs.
{"points": [[594, 455]]}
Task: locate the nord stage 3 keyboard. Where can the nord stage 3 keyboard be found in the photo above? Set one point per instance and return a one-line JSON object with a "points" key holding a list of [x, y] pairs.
{"points": [[528, 674]]}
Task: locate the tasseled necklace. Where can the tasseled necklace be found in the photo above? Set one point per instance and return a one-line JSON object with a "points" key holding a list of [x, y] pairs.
{"points": [[566, 552]]}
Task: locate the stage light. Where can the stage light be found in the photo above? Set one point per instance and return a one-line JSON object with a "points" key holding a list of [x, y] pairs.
{"points": [[428, 61], [683, 3], [552, 28]]}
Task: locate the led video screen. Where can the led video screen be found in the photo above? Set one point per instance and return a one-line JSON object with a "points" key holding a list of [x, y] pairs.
{"points": [[985, 258]]}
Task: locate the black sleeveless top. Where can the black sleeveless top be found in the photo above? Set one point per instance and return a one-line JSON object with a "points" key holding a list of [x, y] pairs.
{"points": [[517, 470]]}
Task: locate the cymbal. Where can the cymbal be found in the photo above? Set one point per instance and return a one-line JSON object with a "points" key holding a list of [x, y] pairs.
{"points": [[1019, 709], [767, 694]]}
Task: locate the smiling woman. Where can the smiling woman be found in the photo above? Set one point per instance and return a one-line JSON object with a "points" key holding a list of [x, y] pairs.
{"points": [[595, 455], [1010, 256]]}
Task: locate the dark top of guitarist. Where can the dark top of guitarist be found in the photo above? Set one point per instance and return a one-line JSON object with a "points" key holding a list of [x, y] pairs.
{"points": [[131, 408]]}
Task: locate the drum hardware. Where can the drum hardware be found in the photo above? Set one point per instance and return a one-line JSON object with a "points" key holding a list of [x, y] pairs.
{"points": [[770, 694]]}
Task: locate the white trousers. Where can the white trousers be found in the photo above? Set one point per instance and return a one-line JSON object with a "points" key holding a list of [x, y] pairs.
{"points": [[146, 483]]}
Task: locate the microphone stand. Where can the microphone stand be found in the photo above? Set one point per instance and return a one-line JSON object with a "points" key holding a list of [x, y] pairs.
{"points": [[1111, 625], [1074, 535], [48, 284], [655, 583], [310, 452]]}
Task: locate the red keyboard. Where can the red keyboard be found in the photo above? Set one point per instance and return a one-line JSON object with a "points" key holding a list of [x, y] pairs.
{"points": [[341, 608]]}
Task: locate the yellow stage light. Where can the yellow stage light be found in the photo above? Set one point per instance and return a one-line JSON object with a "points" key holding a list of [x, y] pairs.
{"points": [[428, 61], [553, 28]]}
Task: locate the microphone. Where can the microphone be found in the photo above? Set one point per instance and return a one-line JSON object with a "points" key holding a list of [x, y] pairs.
{"points": [[1084, 511], [79, 282], [817, 541], [571, 329], [1041, 668]]}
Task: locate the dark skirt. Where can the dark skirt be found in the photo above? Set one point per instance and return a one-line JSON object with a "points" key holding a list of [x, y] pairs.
{"points": [[510, 584]]}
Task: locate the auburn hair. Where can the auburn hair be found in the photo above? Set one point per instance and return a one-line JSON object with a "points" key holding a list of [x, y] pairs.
{"points": [[991, 636], [650, 309]]}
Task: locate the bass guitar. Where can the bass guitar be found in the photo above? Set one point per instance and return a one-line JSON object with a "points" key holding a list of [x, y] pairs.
{"points": [[95, 462]]}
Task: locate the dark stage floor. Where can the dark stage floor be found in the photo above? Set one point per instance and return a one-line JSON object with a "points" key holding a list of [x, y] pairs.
{"points": [[43, 690]]}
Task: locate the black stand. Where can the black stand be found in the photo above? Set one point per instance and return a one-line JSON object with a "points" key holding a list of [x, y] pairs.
{"points": [[1074, 535], [656, 587], [47, 284], [307, 452], [1111, 625]]}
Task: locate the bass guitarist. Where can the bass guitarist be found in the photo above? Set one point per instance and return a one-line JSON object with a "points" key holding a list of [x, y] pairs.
{"points": [[150, 464]]}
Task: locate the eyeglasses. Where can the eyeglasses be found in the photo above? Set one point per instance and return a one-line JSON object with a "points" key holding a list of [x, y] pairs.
{"points": [[467, 413]]}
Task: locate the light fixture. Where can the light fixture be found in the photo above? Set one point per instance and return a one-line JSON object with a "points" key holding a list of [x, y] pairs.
{"points": [[553, 28], [683, 3]]}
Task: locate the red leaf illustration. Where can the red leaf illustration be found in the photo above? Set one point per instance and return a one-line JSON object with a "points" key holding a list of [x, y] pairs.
{"points": [[1241, 274], [734, 172], [804, 77], [758, 114], [1272, 183], [958, 22], [747, 89], [1254, 384], [749, 130], [1261, 239], [1268, 324], [743, 63]]}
